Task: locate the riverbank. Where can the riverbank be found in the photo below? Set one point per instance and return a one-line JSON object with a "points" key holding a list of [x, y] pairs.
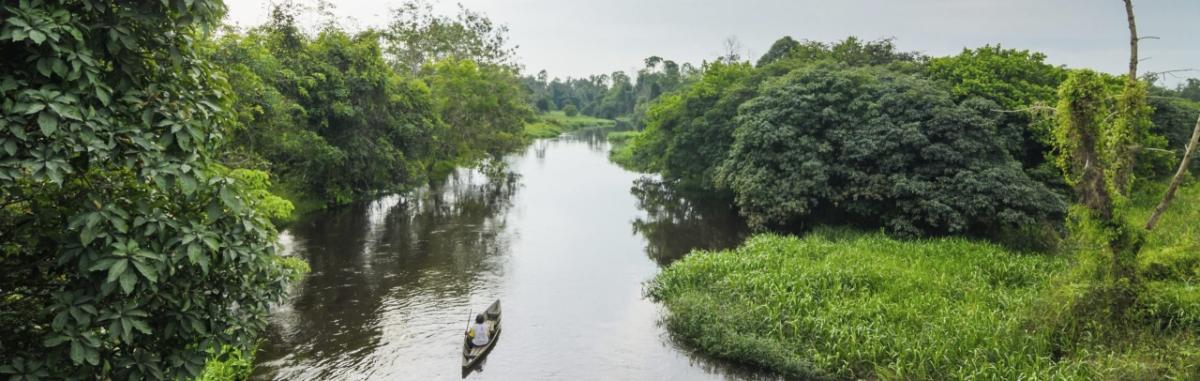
{"points": [[848, 305], [545, 125], [555, 123]]}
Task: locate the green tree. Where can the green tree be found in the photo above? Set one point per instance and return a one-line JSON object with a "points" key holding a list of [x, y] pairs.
{"points": [[570, 110], [1190, 89], [326, 114], [689, 133], [110, 121], [874, 145], [780, 49], [484, 107], [416, 36], [1022, 84]]}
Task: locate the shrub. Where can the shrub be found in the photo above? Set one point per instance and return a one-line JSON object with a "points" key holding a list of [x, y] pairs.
{"points": [[877, 146]]}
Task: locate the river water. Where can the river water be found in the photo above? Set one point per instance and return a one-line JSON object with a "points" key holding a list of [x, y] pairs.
{"points": [[563, 237]]}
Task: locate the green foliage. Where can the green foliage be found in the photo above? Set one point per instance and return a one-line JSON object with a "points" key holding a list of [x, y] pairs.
{"points": [[1190, 89], [570, 110], [1019, 81], [1174, 118], [842, 305], [484, 107], [606, 96], [851, 51], [1082, 108], [877, 146], [780, 49], [1014, 79], [256, 186], [127, 253], [552, 124], [417, 37], [542, 129], [622, 137], [335, 121], [326, 114], [689, 133], [231, 364]]}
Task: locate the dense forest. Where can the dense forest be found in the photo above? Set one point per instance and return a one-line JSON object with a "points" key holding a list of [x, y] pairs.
{"points": [[148, 151]]}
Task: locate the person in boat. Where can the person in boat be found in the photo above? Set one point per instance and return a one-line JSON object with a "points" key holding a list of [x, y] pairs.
{"points": [[478, 332]]}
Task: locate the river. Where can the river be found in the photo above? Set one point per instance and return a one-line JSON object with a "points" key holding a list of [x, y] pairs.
{"points": [[563, 237]]}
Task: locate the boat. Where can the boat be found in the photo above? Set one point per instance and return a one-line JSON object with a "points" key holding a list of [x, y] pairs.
{"points": [[471, 356]]}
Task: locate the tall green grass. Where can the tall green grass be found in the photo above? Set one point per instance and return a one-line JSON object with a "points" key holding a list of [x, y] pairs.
{"points": [[847, 306], [551, 124], [838, 304]]}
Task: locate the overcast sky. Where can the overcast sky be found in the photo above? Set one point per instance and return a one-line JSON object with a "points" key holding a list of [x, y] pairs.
{"points": [[582, 37]]}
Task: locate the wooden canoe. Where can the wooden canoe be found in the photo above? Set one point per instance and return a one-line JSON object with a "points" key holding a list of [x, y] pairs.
{"points": [[491, 316]]}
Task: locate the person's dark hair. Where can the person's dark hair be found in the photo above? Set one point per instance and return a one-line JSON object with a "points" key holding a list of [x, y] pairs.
{"points": [[479, 318]]}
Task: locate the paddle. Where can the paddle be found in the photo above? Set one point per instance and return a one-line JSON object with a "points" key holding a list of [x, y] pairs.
{"points": [[469, 329]]}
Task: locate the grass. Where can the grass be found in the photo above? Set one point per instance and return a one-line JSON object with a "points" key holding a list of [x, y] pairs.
{"points": [[622, 137], [837, 304], [230, 365], [551, 124], [848, 306]]}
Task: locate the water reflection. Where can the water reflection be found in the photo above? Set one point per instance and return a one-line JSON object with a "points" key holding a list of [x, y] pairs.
{"points": [[395, 280], [374, 264], [675, 224]]}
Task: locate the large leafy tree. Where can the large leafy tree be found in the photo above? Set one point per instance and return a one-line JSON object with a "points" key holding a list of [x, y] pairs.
{"points": [[1023, 85], [326, 113], [417, 36], [875, 145], [484, 106], [126, 254], [689, 133]]}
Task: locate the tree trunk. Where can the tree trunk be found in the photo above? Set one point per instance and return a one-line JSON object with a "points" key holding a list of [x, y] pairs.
{"points": [[1179, 174], [1133, 41]]}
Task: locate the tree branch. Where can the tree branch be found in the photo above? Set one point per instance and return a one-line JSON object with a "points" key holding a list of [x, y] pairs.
{"points": [[1179, 174]]}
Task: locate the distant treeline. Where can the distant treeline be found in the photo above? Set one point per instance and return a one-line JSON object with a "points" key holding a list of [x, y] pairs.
{"points": [[609, 96]]}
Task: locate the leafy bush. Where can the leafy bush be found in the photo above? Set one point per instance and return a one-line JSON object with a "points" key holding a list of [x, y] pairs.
{"points": [[127, 253], [230, 364], [876, 145], [570, 110]]}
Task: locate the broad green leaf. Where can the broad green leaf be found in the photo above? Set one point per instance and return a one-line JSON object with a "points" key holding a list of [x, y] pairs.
{"points": [[37, 36], [230, 198], [147, 270], [87, 235], [48, 123], [118, 268], [187, 184], [103, 96], [55, 341], [77, 352], [128, 281], [120, 225]]}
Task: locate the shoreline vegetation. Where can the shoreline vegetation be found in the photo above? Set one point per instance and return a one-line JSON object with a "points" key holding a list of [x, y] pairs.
{"points": [[554, 123], [844, 304], [978, 215]]}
